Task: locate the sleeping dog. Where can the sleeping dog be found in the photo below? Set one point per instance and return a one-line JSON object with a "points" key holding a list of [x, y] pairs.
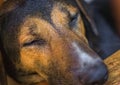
{"points": [[44, 41]]}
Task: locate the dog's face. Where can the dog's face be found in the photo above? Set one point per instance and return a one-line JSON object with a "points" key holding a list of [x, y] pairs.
{"points": [[44, 40]]}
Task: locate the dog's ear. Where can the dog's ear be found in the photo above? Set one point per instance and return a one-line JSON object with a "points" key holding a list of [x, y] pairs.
{"points": [[3, 76], [6, 7], [88, 21], [9, 5]]}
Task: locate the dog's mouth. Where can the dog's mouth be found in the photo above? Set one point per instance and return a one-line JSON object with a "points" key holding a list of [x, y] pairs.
{"points": [[96, 75], [29, 78], [36, 79]]}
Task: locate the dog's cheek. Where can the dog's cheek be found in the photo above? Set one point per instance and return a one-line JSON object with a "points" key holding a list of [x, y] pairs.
{"points": [[34, 56]]}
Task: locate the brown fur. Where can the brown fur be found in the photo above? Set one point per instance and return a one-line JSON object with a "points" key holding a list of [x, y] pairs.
{"points": [[37, 43]]}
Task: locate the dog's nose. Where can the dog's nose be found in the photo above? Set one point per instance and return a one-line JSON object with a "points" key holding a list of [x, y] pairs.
{"points": [[97, 75]]}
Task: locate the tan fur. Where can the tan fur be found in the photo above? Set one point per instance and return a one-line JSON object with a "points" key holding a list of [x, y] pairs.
{"points": [[47, 50], [31, 55], [60, 17]]}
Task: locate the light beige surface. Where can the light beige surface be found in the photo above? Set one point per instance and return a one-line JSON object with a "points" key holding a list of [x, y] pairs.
{"points": [[113, 63]]}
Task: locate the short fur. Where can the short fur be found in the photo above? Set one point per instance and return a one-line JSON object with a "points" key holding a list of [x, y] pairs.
{"points": [[44, 40]]}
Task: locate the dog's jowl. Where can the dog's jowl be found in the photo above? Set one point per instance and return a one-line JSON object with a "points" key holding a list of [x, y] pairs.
{"points": [[44, 40]]}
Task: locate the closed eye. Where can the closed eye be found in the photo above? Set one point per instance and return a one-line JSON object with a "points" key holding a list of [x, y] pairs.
{"points": [[73, 20], [39, 42]]}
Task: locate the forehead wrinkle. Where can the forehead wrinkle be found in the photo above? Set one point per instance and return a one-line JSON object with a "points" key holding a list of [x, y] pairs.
{"points": [[41, 28]]}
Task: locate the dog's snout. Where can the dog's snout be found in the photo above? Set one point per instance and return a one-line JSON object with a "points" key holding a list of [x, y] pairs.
{"points": [[92, 70], [96, 75]]}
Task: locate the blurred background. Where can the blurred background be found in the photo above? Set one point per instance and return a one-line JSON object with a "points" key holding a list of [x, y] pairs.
{"points": [[106, 15], [110, 10]]}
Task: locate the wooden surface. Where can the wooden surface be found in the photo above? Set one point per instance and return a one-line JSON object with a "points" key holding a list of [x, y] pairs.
{"points": [[113, 63]]}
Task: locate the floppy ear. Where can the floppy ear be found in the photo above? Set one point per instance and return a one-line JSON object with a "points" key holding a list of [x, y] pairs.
{"points": [[3, 77], [88, 21], [9, 5]]}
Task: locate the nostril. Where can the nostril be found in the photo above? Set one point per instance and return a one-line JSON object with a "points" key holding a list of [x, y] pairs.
{"points": [[100, 79], [96, 76], [95, 83], [100, 82], [105, 78]]}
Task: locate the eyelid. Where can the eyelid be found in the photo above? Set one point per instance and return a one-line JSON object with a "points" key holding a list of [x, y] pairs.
{"points": [[74, 16], [73, 19], [39, 42]]}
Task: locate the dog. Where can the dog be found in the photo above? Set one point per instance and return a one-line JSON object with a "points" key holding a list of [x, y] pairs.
{"points": [[44, 41]]}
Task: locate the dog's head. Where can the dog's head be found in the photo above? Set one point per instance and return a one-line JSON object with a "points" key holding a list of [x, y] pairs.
{"points": [[44, 40]]}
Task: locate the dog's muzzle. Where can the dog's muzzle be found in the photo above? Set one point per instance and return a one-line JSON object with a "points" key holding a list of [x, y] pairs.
{"points": [[92, 70]]}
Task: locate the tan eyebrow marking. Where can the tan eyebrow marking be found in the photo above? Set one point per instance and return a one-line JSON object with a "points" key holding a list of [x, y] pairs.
{"points": [[41, 28], [60, 17]]}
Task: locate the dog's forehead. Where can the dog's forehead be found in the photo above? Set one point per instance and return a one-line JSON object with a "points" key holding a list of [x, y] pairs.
{"points": [[44, 7], [40, 8]]}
